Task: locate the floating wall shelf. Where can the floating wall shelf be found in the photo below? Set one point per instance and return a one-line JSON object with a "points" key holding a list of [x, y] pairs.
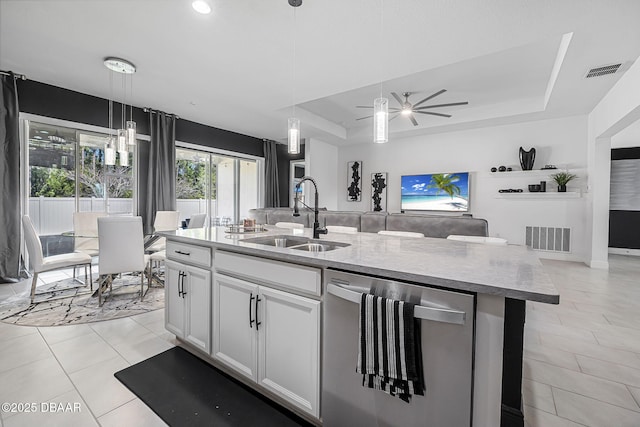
{"points": [[546, 195]]}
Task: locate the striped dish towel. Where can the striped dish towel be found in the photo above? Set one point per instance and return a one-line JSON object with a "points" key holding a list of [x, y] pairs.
{"points": [[390, 352]]}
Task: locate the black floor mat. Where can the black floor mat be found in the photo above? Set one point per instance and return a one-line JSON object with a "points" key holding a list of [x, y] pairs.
{"points": [[186, 391]]}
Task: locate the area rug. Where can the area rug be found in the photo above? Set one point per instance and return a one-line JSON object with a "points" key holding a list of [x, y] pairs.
{"points": [[68, 302], [186, 391]]}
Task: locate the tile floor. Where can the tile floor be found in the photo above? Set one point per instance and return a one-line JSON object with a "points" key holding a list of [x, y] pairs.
{"points": [[581, 367], [75, 364], [582, 357]]}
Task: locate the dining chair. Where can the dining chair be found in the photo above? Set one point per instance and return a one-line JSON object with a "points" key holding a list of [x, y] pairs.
{"points": [[197, 220], [341, 229], [478, 239], [155, 260], [121, 250], [40, 263], [85, 231], [400, 233], [164, 221]]}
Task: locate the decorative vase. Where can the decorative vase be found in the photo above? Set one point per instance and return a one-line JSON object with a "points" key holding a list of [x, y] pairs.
{"points": [[527, 158], [562, 188]]}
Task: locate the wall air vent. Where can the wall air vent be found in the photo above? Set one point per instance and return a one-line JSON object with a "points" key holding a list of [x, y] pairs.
{"points": [[602, 71], [554, 239]]}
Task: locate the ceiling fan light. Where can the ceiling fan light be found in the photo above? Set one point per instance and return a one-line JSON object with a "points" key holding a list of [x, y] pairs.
{"points": [[406, 111], [380, 120], [294, 136]]}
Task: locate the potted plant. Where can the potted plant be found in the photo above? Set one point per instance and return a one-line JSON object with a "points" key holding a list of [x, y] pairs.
{"points": [[562, 178]]}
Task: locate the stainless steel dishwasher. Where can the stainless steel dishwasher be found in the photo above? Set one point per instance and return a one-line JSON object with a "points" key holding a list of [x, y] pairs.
{"points": [[447, 323]]}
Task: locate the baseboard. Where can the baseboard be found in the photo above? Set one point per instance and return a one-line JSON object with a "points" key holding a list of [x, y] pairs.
{"points": [[601, 265], [624, 251]]}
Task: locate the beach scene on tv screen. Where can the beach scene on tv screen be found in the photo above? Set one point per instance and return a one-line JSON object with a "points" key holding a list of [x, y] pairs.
{"points": [[436, 192]]}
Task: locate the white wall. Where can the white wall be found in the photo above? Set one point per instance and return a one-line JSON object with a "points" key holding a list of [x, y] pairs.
{"points": [[619, 109], [320, 161], [562, 142]]}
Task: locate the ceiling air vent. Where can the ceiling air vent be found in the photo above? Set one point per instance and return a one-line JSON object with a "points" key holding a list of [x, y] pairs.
{"points": [[602, 71]]}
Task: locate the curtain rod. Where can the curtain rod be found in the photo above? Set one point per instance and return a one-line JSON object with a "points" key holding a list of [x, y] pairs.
{"points": [[150, 110], [15, 75]]}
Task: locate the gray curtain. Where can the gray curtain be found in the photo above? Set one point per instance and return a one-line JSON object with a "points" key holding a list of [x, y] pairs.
{"points": [[272, 192], [157, 187], [9, 179]]}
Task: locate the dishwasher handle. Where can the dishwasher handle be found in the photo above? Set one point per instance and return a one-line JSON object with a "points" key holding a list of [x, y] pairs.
{"points": [[421, 312]]}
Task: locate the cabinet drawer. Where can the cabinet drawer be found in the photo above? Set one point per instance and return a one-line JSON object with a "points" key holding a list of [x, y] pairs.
{"points": [[280, 274], [192, 254]]}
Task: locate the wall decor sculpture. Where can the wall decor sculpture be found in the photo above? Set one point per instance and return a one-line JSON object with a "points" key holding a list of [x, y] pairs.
{"points": [[527, 158], [354, 174], [379, 191]]}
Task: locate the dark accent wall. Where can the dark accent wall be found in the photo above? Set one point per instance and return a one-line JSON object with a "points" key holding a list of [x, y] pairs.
{"points": [[624, 226], [284, 170], [52, 101]]}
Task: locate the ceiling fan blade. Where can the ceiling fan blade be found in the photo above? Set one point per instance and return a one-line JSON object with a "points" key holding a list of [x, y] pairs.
{"points": [[440, 92], [395, 95], [442, 105], [394, 117], [413, 120], [366, 117], [395, 110], [433, 114], [364, 106]]}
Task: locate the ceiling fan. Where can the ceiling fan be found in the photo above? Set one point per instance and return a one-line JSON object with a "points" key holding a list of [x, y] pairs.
{"points": [[408, 109]]}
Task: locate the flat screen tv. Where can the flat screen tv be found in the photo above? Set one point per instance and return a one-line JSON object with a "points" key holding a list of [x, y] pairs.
{"points": [[435, 192]]}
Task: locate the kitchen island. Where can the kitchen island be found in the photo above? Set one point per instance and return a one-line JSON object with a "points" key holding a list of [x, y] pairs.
{"points": [[217, 270]]}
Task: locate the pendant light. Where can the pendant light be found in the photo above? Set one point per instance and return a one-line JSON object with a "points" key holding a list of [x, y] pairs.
{"points": [[110, 149], [293, 133], [381, 105], [126, 135]]}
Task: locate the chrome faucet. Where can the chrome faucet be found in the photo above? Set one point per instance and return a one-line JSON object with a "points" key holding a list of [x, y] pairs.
{"points": [[317, 231]]}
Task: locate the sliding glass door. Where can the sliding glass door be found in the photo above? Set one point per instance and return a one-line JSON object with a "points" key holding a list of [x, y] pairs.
{"points": [[222, 186], [67, 174]]}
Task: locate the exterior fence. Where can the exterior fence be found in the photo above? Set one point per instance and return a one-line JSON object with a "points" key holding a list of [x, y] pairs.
{"points": [[54, 215]]}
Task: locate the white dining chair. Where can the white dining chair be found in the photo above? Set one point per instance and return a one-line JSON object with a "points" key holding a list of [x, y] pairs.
{"points": [[341, 229], [289, 225], [155, 260], [478, 239], [40, 263], [85, 231], [164, 221], [400, 233], [197, 220], [121, 250]]}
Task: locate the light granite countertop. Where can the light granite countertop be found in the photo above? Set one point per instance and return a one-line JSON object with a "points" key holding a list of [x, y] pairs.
{"points": [[510, 271]]}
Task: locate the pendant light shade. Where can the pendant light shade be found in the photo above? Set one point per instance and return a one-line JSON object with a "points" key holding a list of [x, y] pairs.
{"points": [[124, 158], [294, 136], [380, 120], [131, 133], [109, 153], [121, 142]]}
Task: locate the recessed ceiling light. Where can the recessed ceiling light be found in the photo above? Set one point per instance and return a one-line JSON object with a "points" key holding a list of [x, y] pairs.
{"points": [[201, 6]]}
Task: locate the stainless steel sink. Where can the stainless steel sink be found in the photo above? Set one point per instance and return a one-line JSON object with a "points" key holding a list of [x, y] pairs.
{"points": [[296, 242]]}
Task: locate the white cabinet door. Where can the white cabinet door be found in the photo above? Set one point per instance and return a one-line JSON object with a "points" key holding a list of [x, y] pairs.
{"points": [[173, 301], [198, 305], [234, 326], [289, 347]]}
